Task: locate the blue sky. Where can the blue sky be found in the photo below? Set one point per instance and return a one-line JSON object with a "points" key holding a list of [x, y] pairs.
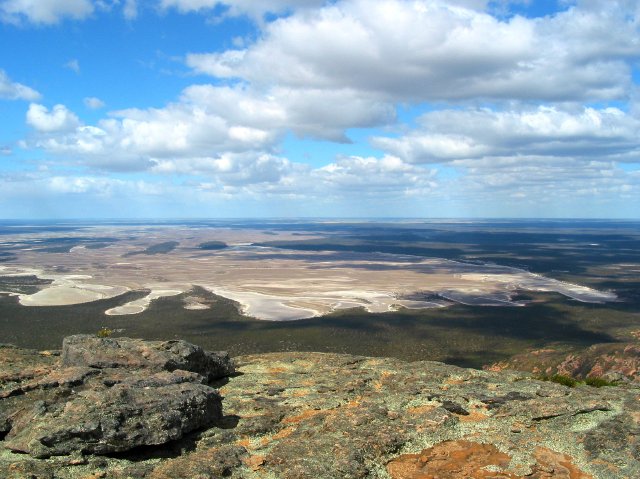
{"points": [[355, 108]]}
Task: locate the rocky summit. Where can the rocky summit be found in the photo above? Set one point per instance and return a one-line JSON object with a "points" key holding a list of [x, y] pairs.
{"points": [[120, 408]]}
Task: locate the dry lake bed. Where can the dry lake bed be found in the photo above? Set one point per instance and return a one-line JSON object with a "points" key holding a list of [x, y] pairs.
{"points": [[318, 276]]}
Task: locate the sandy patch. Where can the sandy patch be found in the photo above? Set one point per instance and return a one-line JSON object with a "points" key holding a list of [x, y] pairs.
{"points": [[139, 305], [258, 305], [65, 294]]}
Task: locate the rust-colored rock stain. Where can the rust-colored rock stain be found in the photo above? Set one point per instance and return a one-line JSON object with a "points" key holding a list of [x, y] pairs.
{"points": [[473, 416], [254, 462], [451, 460], [414, 411], [472, 460]]}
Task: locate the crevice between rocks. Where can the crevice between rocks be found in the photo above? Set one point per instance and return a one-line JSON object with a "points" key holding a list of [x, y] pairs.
{"points": [[574, 414]]}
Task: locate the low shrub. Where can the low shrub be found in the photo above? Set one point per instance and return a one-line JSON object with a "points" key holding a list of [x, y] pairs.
{"points": [[599, 382], [104, 333], [560, 379], [571, 382]]}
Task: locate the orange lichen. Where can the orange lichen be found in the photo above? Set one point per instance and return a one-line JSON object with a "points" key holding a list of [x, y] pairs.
{"points": [[301, 417], [255, 462], [414, 411], [454, 381], [354, 402], [246, 443], [473, 416]]}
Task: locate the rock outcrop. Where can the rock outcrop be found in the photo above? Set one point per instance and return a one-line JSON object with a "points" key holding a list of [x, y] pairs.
{"points": [[110, 395], [90, 351], [609, 361], [313, 415]]}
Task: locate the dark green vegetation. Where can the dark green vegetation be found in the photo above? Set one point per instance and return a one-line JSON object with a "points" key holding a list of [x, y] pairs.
{"points": [[560, 379], [572, 382], [22, 284], [462, 335], [213, 245], [599, 382], [160, 248]]}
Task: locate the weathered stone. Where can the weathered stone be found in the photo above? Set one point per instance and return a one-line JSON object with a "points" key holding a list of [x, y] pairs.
{"points": [[133, 393], [312, 415], [140, 411], [91, 351], [614, 440]]}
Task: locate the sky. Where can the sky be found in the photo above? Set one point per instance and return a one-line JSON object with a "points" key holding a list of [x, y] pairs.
{"points": [[311, 108]]}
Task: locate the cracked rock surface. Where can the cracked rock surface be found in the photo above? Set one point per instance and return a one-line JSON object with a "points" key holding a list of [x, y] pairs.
{"points": [[313, 415]]}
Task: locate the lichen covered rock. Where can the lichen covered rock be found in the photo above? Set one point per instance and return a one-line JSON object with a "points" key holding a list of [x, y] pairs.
{"points": [[313, 415]]}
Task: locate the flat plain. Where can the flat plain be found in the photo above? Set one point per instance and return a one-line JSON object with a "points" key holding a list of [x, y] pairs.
{"points": [[464, 292]]}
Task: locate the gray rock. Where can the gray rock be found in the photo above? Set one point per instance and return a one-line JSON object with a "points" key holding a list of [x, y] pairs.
{"points": [[110, 395], [140, 411], [91, 351]]}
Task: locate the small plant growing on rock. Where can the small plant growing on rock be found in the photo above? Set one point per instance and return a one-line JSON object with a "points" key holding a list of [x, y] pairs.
{"points": [[560, 379], [599, 382], [104, 332], [571, 382]]}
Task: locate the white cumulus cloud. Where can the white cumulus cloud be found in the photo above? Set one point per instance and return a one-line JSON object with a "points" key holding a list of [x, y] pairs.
{"points": [[368, 176], [206, 122], [328, 67], [428, 50], [448, 135], [59, 119]]}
